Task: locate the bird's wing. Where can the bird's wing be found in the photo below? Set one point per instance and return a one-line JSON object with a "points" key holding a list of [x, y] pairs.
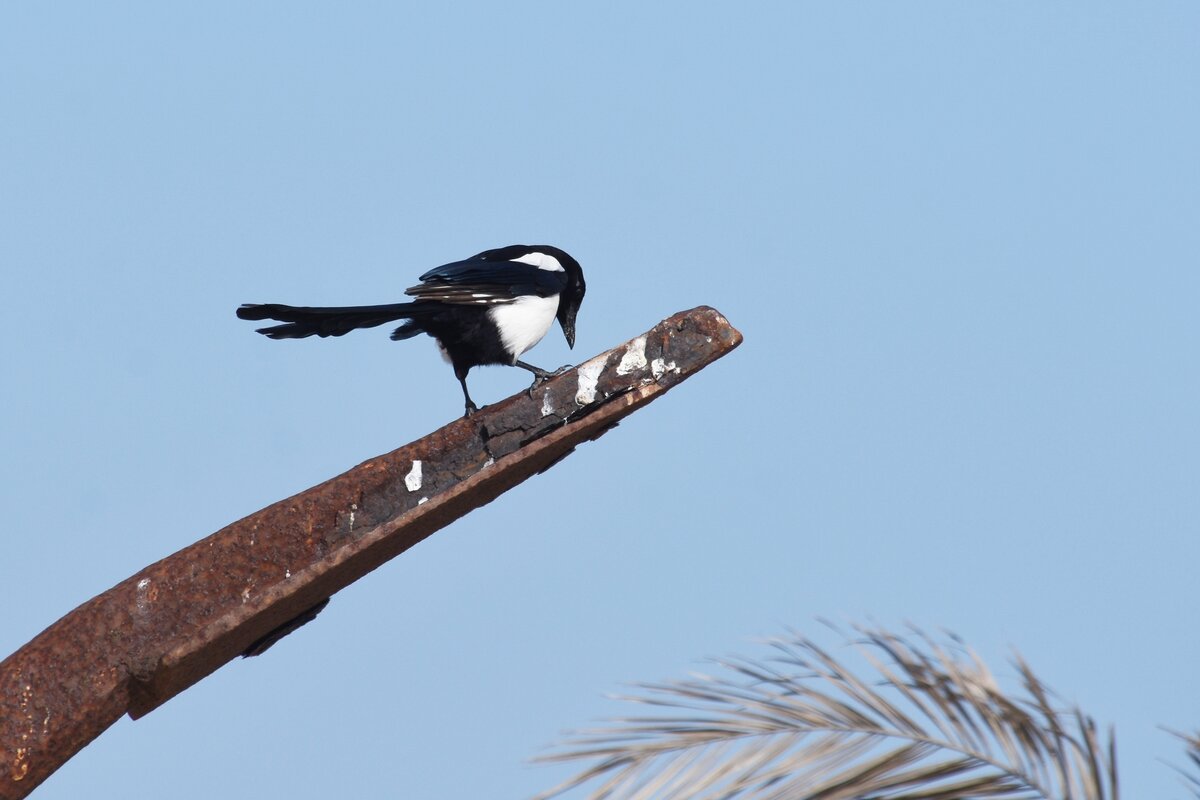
{"points": [[483, 282]]}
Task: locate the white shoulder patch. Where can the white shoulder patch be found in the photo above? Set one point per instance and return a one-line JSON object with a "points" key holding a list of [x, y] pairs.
{"points": [[541, 261]]}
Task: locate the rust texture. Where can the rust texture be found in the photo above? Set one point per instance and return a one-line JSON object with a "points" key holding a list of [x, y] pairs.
{"points": [[159, 631]]}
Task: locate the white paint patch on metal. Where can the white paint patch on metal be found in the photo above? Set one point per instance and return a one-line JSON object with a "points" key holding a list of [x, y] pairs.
{"points": [[413, 479], [658, 368], [142, 600], [589, 374], [634, 359]]}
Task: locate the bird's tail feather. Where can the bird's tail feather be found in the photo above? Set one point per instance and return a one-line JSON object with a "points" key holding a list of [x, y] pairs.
{"points": [[407, 330], [302, 321]]}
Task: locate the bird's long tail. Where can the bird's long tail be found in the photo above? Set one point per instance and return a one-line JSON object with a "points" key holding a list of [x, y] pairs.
{"points": [[302, 321]]}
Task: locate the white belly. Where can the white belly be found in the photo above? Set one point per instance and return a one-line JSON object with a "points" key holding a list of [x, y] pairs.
{"points": [[524, 322]]}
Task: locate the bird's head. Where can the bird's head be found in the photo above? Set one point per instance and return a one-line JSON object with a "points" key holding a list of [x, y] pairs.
{"points": [[571, 297]]}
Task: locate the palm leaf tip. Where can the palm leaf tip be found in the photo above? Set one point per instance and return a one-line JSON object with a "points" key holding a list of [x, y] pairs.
{"points": [[917, 719], [1190, 775]]}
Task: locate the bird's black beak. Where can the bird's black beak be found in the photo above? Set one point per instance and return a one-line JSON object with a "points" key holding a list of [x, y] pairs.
{"points": [[568, 326]]}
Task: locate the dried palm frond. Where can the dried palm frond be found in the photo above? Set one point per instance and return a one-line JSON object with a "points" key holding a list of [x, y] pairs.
{"points": [[1191, 778], [929, 723]]}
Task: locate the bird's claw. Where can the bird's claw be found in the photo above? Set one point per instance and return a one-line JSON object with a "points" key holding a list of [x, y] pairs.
{"points": [[540, 376]]}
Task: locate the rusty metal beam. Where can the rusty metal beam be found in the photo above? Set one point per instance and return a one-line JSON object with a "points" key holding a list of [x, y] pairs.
{"points": [[161, 630]]}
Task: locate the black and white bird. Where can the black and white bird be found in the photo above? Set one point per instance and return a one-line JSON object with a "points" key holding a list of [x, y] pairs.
{"points": [[486, 309]]}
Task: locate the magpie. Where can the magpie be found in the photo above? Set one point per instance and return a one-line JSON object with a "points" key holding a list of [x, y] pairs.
{"points": [[486, 309]]}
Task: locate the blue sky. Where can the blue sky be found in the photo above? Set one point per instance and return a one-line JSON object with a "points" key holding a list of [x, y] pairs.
{"points": [[960, 239]]}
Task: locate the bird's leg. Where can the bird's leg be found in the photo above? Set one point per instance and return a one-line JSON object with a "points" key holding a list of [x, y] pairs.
{"points": [[462, 379], [540, 375]]}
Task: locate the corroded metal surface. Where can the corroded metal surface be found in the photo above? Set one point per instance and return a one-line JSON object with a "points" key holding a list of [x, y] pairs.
{"points": [[174, 622]]}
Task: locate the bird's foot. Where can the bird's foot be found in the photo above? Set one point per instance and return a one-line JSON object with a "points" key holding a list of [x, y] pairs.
{"points": [[540, 373], [541, 376], [471, 409]]}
